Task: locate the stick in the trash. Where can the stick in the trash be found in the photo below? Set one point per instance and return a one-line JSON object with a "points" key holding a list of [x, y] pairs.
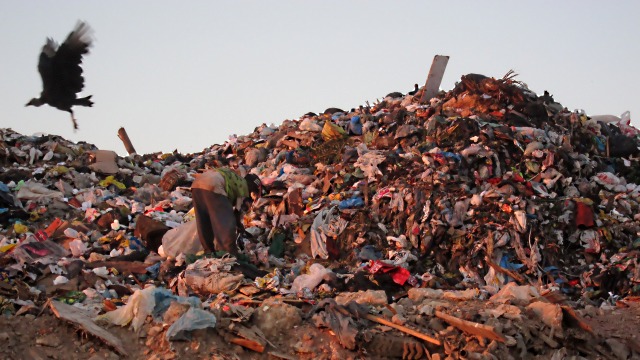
{"points": [[404, 329], [471, 327], [519, 279], [122, 134]]}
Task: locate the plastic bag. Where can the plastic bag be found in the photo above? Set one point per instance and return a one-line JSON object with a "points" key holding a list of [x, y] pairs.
{"points": [[44, 252], [326, 223], [354, 202], [625, 125], [32, 190], [211, 275], [193, 319], [182, 240], [516, 294], [331, 131], [77, 247], [139, 306], [355, 126], [310, 280], [310, 125]]}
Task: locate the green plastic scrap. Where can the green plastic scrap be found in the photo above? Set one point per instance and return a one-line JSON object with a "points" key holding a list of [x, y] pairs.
{"points": [[72, 297]]}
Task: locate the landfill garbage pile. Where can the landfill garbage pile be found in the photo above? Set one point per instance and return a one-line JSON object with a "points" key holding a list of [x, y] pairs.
{"points": [[484, 223]]}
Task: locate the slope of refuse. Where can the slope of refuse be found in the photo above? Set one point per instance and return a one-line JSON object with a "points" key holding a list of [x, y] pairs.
{"points": [[488, 222]]}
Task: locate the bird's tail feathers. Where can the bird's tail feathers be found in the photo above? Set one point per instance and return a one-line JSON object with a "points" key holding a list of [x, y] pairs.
{"points": [[85, 101]]}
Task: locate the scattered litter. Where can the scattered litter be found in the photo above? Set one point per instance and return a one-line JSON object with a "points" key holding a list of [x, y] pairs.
{"points": [[487, 207]]}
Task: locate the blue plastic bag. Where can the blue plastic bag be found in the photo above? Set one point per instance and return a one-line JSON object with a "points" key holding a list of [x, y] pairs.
{"points": [[193, 319], [354, 202], [355, 126]]}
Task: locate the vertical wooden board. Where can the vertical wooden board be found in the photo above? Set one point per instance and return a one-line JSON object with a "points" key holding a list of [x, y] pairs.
{"points": [[434, 79]]}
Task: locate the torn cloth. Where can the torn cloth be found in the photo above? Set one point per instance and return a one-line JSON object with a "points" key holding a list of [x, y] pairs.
{"points": [[326, 223]]}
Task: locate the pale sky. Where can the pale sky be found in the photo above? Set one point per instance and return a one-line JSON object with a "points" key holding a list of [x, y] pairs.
{"points": [[186, 75]]}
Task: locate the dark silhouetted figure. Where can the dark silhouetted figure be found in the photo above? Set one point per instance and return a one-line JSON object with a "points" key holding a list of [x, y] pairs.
{"points": [[59, 67], [415, 89]]}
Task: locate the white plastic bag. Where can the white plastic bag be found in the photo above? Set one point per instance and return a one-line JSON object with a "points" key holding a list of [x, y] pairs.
{"points": [[182, 240], [35, 191], [77, 247], [310, 280], [310, 125], [139, 306]]}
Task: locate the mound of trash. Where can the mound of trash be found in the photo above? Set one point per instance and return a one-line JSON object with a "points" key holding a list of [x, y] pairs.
{"points": [[485, 222]]}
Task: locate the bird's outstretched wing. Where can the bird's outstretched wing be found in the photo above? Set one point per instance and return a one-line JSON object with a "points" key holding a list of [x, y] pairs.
{"points": [[61, 72], [45, 64]]}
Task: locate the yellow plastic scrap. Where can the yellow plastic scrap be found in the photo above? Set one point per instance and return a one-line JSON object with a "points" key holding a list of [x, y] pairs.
{"points": [[331, 131], [190, 215], [270, 281], [606, 233], [34, 216], [104, 240], [7, 247], [59, 170], [585, 201], [20, 228], [370, 137], [604, 216], [109, 180]]}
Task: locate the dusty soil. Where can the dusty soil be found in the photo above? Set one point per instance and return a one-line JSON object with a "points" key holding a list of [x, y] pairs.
{"points": [[622, 323], [47, 337]]}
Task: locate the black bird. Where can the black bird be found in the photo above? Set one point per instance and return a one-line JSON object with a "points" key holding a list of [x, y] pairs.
{"points": [[61, 73]]}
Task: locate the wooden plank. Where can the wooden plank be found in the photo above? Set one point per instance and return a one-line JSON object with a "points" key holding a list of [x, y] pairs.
{"points": [[434, 79], [72, 315], [471, 327]]}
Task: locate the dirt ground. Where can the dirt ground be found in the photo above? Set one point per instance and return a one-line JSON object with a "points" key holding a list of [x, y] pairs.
{"points": [[47, 337], [622, 323]]}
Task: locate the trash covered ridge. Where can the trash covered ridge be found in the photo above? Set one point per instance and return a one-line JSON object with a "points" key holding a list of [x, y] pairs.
{"points": [[464, 224]]}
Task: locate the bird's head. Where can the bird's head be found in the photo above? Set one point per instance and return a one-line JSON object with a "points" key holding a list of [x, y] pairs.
{"points": [[35, 102]]}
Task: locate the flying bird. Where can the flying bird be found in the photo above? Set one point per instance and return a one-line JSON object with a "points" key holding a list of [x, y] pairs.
{"points": [[61, 73]]}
